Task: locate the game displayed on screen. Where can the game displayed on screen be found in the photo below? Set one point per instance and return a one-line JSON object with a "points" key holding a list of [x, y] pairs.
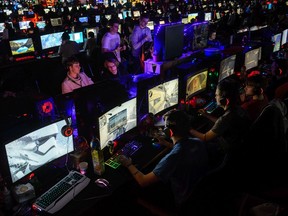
{"points": [[196, 83], [21, 46], [163, 96], [36, 149], [200, 36], [51, 40], [117, 121], [227, 67]]}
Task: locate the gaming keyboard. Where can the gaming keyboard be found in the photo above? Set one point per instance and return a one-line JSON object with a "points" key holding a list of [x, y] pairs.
{"points": [[210, 107], [61, 193], [128, 150]]}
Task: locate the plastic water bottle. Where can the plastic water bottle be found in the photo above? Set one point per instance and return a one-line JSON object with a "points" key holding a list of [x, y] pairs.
{"points": [[97, 156]]}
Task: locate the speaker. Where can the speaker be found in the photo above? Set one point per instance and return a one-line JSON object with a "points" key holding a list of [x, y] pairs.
{"points": [[67, 130]]}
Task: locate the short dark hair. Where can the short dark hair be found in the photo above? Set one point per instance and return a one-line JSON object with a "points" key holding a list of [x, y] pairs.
{"points": [[178, 121], [112, 21], [229, 89], [258, 82], [91, 34], [65, 36], [70, 61], [144, 16]]}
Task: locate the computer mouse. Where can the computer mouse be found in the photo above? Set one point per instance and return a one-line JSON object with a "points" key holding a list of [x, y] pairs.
{"points": [[101, 182]]}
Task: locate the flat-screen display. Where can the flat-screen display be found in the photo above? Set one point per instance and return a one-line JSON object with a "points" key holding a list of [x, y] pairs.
{"points": [[83, 19], [200, 33], [120, 16], [150, 25], [227, 66], [94, 30], [23, 25], [208, 16], [117, 121], [126, 13], [97, 18], [41, 24], [136, 13], [37, 148], [284, 37], [2, 26], [21, 46], [163, 96], [161, 22], [185, 20], [252, 57], [108, 16], [77, 37], [56, 21], [51, 40], [192, 16], [276, 39], [196, 83]]}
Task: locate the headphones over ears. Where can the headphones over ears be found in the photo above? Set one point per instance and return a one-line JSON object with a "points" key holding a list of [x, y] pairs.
{"points": [[67, 130]]}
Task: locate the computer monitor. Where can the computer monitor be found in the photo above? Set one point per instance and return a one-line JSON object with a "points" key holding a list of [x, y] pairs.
{"points": [[196, 83], [136, 13], [23, 25], [276, 39], [126, 13], [41, 24], [117, 121], [150, 25], [46, 10], [163, 96], [108, 16], [185, 20], [252, 58], [94, 30], [120, 16], [208, 16], [97, 18], [161, 22], [83, 20], [21, 46], [2, 26], [51, 40], [200, 33], [37, 148], [192, 16], [284, 37], [77, 37], [56, 21], [227, 66], [168, 41]]}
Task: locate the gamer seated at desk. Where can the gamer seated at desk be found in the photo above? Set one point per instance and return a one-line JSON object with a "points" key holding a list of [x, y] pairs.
{"points": [[188, 157]]}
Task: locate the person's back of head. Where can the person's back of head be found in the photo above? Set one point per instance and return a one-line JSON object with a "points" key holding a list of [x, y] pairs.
{"points": [[258, 82], [31, 24], [229, 91], [113, 21], [65, 36], [91, 34], [178, 122]]}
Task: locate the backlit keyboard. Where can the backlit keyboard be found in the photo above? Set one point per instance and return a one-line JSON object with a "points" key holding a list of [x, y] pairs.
{"points": [[209, 108], [128, 150], [61, 193]]}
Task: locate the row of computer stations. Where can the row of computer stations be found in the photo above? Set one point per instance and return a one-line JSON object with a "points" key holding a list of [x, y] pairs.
{"points": [[117, 121], [37, 148]]}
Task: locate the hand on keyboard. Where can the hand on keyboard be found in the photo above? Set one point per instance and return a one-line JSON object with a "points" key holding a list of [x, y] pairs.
{"points": [[123, 160]]}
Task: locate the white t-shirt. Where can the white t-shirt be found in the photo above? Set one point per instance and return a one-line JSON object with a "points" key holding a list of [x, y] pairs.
{"points": [[111, 42]]}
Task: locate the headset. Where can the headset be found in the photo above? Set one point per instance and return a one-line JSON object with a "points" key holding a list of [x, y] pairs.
{"points": [[67, 130]]}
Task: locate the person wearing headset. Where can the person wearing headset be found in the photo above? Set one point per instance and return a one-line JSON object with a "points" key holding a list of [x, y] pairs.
{"points": [[74, 79], [229, 128], [181, 168], [255, 98]]}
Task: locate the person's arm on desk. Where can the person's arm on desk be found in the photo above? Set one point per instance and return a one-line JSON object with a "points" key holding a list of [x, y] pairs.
{"points": [[210, 135], [142, 179], [206, 115]]}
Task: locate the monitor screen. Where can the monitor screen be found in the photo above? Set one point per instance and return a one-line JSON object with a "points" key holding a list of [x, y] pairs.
{"points": [[117, 121], [23, 25], [192, 16], [218, 15], [136, 14], [276, 39], [108, 16], [46, 10], [83, 19], [252, 57], [56, 21], [35, 149], [51, 40], [2, 26], [21, 46], [41, 24], [126, 13], [77, 37], [150, 25], [227, 67], [97, 18], [185, 20], [94, 30], [284, 37], [196, 83], [161, 22], [200, 32], [163, 96], [120, 16], [208, 16]]}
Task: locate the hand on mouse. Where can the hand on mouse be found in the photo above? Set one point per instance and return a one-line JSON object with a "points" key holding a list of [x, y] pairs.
{"points": [[124, 161]]}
